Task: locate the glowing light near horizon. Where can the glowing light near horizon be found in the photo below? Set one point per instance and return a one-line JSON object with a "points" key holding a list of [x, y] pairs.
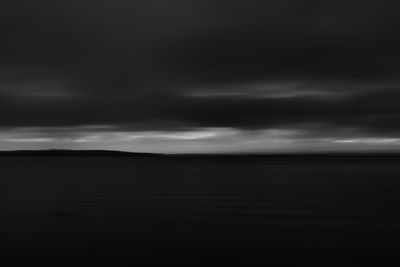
{"points": [[28, 140], [178, 135], [368, 140], [91, 135], [193, 140]]}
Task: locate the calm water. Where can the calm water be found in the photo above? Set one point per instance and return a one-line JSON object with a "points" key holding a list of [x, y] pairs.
{"points": [[115, 211]]}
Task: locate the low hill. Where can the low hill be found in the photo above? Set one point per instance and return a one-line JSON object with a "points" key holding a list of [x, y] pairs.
{"points": [[75, 153]]}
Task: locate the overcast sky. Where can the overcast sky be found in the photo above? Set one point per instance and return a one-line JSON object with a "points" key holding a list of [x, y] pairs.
{"points": [[200, 75]]}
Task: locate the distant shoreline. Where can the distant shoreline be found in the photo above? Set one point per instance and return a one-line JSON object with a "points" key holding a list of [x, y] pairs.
{"points": [[75, 153], [296, 157]]}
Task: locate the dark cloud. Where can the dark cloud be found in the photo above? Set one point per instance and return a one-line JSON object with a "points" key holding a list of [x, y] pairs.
{"points": [[139, 64]]}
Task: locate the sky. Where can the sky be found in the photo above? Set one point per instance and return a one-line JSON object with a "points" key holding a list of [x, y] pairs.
{"points": [[200, 76]]}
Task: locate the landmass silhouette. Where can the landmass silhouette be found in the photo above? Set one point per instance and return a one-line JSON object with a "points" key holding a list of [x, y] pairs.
{"points": [[380, 156]]}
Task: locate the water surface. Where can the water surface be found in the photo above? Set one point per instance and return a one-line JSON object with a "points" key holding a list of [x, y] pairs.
{"points": [[115, 211]]}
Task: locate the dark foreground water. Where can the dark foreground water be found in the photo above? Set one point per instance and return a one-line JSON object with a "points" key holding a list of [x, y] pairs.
{"points": [[126, 211]]}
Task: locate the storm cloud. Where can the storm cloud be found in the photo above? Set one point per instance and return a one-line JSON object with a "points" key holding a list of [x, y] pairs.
{"points": [[327, 69]]}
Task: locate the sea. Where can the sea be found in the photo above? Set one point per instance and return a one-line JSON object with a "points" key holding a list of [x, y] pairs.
{"points": [[199, 211]]}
